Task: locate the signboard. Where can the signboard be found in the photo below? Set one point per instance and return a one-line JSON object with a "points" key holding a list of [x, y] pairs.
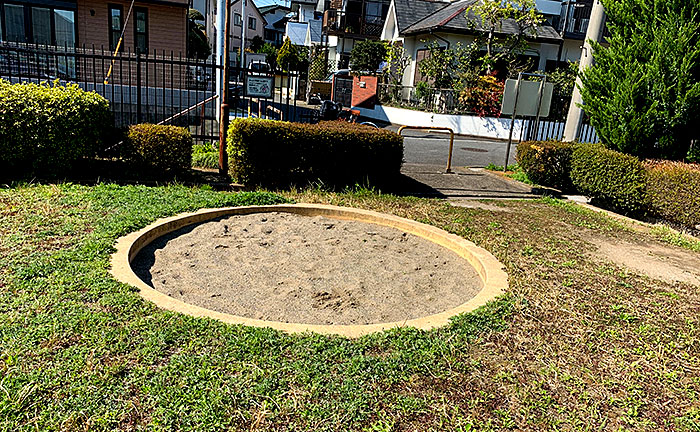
{"points": [[258, 86], [528, 95]]}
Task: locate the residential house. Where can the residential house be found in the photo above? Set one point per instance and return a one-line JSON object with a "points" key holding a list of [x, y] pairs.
{"points": [[305, 33], [276, 16], [416, 23], [254, 21], [159, 25], [348, 21]]}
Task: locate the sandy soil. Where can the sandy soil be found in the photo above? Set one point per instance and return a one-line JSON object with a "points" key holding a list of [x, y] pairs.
{"points": [[314, 270], [661, 262]]}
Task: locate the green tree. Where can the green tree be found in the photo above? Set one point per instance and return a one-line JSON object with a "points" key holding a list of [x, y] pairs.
{"points": [[643, 93], [256, 44], [490, 15], [449, 67], [367, 55], [292, 57], [197, 40], [397, 61], [271, 54]]}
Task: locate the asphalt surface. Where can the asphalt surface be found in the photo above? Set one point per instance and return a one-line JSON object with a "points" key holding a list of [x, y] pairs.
{"points": [[424, 169], [432, 148]]}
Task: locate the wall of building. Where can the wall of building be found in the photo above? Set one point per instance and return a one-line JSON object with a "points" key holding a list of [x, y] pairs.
{"points": [[251, 11], [167, 25]]}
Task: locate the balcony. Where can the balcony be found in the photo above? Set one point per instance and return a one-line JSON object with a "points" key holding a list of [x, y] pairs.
{"points": [[340, 23]]}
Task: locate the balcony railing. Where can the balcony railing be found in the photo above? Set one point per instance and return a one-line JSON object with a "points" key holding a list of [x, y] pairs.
{"points": [[337, 22]]}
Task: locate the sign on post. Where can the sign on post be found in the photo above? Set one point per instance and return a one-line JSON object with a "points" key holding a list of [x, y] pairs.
{"points": [[258, 86], [528, 94]]}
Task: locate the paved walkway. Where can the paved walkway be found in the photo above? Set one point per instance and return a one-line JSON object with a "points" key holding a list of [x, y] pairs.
{"points": [[464, 184]]}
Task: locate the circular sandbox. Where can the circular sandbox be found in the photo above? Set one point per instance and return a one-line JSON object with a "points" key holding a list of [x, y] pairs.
{"points": [[308, 267]]}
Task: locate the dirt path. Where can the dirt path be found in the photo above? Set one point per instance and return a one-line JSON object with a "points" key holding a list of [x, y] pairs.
{"points": [[666, 263], [315, 270]]}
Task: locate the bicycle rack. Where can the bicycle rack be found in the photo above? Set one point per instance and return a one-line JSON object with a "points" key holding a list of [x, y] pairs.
{"points": [[437, 129]]}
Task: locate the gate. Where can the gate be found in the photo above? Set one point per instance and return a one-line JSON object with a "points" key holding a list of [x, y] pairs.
{"points": [[342, 91]]}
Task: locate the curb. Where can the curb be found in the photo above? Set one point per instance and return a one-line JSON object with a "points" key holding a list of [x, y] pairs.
{"points": [[490, 270]]}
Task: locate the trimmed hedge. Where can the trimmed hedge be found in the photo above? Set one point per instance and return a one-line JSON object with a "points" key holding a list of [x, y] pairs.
{"points": [[48, 127], [673, 189], [161, 146], [204, 156], [547, 163], [279, 154], [612, 179]]}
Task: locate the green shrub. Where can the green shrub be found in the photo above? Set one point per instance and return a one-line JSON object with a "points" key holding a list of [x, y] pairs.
{"points": [[161, 146], [547, 163], [44, 127], [673, 189], [205, 156], [275, 153], [612, 179]]}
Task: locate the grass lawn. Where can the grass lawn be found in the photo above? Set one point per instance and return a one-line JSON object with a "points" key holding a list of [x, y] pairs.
{"points": [[576, 344]]}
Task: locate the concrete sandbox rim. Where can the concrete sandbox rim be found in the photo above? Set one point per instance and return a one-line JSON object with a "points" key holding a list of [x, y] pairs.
{"points": [[490, 270]]}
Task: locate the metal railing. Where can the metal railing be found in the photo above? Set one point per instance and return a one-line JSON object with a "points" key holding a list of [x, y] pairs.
{"points": [[448, 170], [157, 87], [338, 22]]}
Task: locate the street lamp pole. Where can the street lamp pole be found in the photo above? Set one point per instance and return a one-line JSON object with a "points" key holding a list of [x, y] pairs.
{"points": [[223, 118]]}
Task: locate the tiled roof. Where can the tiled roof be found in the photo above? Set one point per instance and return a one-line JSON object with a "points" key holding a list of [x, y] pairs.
{"points": [[409, 12], [451, 18]]}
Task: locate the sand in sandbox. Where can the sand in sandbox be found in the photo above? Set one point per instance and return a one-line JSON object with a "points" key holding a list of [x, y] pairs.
{"points": [[313, 270]]}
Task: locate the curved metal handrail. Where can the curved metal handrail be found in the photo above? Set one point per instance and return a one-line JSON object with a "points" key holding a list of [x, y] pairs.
{"points": [[437, 129]]}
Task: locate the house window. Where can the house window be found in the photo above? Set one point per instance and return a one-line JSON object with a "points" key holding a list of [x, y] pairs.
{"points": [[237, 20], [252, 23], [115, 25], [141, 30], [421, 55], [14, 23], [64, 26], [41, 25]]}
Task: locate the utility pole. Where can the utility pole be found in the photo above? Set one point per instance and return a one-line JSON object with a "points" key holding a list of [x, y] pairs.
{"points": [[595, 32], [244, 25], [223, 119], [219, 48]]}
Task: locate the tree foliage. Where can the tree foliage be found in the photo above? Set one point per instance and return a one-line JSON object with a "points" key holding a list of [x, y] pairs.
{"points": [[292, 57], [197, 41], [643, 94], [449, 67], [397, 61], [491, 14], [367, 55]]}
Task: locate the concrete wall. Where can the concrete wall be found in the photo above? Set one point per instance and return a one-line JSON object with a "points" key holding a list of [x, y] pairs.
{"points": [[486, 127]]}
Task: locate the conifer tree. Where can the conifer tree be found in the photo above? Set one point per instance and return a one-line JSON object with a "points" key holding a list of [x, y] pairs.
{"points": [[643, 94]]}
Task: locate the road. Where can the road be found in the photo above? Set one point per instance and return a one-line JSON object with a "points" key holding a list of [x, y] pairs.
{"points": [[431, 148]]}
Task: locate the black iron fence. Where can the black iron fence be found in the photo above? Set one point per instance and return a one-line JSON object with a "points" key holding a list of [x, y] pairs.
{"points": [[157, 87]]}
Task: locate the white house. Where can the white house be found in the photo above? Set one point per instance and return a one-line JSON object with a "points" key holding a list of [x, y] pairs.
{"points": [[415, 23]]}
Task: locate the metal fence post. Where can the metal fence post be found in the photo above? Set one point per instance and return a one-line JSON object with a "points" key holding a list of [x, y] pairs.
{"points": [[138, 87]]}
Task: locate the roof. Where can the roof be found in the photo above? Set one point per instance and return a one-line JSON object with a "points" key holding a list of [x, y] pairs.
{"points": [[296, 32], [451, 18], [265, 3], [271, 8], [411, 11]]}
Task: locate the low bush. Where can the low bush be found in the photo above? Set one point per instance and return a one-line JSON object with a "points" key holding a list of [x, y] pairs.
{"points": [[275, 153], [205, 156], [612, 179], [673, 190], [161, 146], [547, 163], [48, 127]]}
